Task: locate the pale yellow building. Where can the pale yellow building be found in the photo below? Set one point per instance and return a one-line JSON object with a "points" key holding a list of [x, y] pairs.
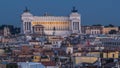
{"points": [[107, 54], [85, 59], [111, 55], [41, 58], [36, 59], [107, 29], [93, 56]]}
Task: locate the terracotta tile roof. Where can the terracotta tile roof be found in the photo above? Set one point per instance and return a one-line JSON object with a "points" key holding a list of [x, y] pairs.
{"points": [[33, 41], [50, 63]]}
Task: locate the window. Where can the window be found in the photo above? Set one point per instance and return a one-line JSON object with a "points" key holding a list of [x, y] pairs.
{"points": [[75, 25]]}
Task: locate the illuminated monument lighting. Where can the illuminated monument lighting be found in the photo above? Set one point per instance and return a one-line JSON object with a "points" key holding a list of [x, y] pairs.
{"points": [[57, 25]]}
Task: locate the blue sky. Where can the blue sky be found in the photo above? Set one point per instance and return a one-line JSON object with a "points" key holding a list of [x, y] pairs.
{"points": [[92, 11]]}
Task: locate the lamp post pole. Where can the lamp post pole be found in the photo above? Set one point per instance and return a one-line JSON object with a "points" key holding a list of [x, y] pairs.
{"points": [[100, 56]]}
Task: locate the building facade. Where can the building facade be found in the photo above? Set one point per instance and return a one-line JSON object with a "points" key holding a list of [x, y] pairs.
{"points": [[92, 29], [106, 30], [51, 25]]}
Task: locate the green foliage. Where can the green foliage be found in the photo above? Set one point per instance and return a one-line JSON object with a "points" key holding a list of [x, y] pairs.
{"points": [[12, 65], [56, 59], [7, 49], [112, 32], [110, 25], [97, 25], [13, 30]]}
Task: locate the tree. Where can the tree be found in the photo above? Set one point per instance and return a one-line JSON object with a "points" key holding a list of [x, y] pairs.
{"points": [[12, 65], [112, 32], [110, 25], [97, 25], [13, 30]]}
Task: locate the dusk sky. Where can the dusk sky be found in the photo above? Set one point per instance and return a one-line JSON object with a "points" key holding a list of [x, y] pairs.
{"points": [[92, 11]]}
